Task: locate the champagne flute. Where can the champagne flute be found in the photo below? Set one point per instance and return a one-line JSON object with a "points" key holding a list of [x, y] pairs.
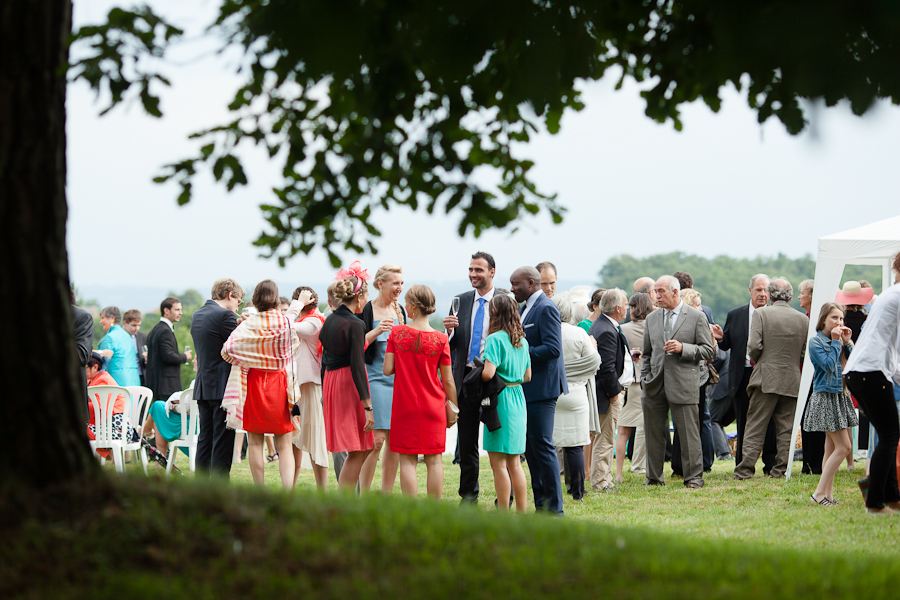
{"points": [[454, 306]]}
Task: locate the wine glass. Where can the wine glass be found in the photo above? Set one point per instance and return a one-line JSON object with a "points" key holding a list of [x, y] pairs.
{"points": [[454, 305]]}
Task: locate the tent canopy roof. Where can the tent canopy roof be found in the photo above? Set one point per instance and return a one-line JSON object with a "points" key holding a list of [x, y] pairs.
{"points": [[886, 230]]}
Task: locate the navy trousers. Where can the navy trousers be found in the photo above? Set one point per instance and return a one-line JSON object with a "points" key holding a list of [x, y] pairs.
{"points": [[215, 446], [541, 456]]}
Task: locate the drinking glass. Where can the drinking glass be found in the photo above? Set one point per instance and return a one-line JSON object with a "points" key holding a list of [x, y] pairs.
{"points": [[454, 305]]}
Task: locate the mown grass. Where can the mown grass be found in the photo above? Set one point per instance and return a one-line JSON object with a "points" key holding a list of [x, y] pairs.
{"points": [[183, 538]]}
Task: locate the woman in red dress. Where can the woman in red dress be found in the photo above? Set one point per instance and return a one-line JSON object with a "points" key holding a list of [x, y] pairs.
{"points": [[260, 349], [419, 358], [345, 386]]}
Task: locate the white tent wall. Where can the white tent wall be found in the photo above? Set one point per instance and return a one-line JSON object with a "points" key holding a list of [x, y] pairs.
{"points": [[874, 244]]}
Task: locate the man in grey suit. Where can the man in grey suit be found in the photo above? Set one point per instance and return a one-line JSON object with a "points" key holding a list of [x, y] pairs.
{"points": [[777, 346], [676, 339]]}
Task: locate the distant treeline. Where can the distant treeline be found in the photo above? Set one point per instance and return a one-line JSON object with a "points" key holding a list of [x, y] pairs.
{"points": [[723, 281]]}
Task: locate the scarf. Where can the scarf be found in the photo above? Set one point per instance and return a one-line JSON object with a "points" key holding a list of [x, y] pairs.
{"points": [[315, 314], [264, 341]]}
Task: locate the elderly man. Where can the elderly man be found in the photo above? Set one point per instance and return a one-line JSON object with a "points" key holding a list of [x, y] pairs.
{"points": [[547, 271], [740, 366], [543, 331], [611, 380], [676, 339], [777, 346], [644, 285]]}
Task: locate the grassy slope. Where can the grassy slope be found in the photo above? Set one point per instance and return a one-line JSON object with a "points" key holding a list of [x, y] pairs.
{"points": [[143, 538]]}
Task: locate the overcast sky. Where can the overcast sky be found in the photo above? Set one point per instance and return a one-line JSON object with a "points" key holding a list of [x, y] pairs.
{"points": [[724, 185]]}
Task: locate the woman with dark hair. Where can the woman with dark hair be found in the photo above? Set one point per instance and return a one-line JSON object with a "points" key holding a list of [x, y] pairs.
{"points": [[307, 416], [345, 387], [423, 386], [506, 354], [594, 306], [261, 388], [868, 373], [632, 416], [830, 408]]}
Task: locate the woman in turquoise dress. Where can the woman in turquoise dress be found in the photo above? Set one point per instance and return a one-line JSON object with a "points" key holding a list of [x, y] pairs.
{"points": [[506, 354], [379, 316], [118, 346]]}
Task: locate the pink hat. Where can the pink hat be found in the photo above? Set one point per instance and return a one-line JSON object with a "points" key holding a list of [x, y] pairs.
{"points": [[853, 293]]}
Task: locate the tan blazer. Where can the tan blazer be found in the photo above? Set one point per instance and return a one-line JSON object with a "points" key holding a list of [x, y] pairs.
{"points": [[675, 376], [777, 345]]}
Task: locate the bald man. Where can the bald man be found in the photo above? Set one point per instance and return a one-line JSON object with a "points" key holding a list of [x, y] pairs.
{"points": [[543, 331]]}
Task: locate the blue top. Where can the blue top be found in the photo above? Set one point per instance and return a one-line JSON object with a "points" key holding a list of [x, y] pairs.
{"points": [[123, 364], [825, 355]]}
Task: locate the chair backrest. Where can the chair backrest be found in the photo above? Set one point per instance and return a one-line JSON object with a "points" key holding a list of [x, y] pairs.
{"points": [[103, 398], [189, 430], [141, 398]]}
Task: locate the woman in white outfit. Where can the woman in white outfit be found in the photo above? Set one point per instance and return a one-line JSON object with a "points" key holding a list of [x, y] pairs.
{"points": [[571, 425]]}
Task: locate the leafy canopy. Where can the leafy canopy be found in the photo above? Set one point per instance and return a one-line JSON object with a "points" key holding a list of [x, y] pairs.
{"points": [[372, 103]]}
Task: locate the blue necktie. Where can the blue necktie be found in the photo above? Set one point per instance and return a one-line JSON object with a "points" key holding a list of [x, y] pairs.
{"points": [[475, 346]]}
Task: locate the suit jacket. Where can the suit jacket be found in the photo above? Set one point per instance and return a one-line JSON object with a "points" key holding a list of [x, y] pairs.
{"points": [[163, 362], [210, 327], [611, 347], [84, 342], [736, 332], [543, 332], [141, 342], [462, 336], [708, 312], [475, 391], [777, 345], [676, 376]]}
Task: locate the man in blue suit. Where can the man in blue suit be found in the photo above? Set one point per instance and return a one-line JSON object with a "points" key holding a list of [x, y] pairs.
{"points": [[543, 330]]}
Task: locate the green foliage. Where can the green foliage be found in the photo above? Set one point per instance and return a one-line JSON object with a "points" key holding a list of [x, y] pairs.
{"points": [[371, 104], [174, 538]]}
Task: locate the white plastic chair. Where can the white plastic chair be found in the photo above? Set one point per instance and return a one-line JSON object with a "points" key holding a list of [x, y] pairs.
{"points": [[141, 398], [103, 398], [190, 430]]}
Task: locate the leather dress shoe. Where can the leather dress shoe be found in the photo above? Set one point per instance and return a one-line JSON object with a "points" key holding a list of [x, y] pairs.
{"points": [[694, 485], [649, 482]]}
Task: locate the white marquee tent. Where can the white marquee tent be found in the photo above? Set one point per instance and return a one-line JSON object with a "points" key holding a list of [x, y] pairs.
{"points": [[873, 244]]}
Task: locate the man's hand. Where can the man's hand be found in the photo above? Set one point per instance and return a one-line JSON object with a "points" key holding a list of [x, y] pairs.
{"points": [[188, 355], [717, 332], [673, 347], [451, 322]]}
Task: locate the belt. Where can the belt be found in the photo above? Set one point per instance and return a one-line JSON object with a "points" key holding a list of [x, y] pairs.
{"points": [[513, 384]]}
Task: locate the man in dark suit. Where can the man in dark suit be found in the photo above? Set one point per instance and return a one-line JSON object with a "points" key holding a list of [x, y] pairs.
{"points": [[543, 331], [211, 324], [84, 341], [612, 346], [163, 359], [468, 331], [131, 323], [740, 367]]}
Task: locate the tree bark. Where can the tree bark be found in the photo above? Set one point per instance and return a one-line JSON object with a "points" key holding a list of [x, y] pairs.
{"points": [[42, 430]]}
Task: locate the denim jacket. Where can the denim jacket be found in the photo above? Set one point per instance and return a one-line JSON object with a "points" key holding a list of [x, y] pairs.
{"points": [[825, 355]]}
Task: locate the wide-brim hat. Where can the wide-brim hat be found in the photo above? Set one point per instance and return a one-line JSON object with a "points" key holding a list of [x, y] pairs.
{"points": [[580, 294], [853, 293]]}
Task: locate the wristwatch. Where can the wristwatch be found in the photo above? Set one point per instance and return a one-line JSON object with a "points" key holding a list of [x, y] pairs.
{"points": [[368, 408]]}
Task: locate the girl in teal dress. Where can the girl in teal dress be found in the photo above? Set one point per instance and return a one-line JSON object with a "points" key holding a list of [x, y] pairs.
{"points": [[506, 354]]}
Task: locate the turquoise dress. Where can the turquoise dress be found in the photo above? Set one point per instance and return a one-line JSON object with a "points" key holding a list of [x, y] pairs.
{"points": [[123, 364], [511, 363], [381, 386]]}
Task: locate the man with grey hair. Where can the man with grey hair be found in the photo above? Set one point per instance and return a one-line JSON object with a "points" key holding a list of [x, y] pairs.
{"points": [[777, 346], [613, 376], [740, 365], [676, 338]]}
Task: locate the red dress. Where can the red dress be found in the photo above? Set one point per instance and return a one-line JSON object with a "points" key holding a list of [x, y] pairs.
{"points": [[418, 416], [266, 409]]}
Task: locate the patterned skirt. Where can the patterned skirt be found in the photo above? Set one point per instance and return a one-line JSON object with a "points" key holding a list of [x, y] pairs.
{"points": [[829, 411]]}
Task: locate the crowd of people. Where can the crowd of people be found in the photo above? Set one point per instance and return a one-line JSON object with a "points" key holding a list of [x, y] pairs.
{"points": [[568, 383]]}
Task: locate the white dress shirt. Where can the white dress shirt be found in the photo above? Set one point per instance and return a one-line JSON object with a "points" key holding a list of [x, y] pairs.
{"points": [[169, 323], [627, 376], [530, 302], [878, 346], [488, 296], [749, 326], [675, 314]]}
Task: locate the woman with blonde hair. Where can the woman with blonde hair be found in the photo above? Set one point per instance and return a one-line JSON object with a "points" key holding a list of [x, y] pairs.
{"points": [[830, 407], [423, 389], [261, 388], [345, 388], [506, 355], [379, 316]]}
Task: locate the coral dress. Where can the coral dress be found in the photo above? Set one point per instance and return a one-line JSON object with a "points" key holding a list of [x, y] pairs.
{"points": [[418, 416]]}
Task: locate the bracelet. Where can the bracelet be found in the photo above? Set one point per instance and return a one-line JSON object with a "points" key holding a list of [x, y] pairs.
{"points": [[367, 408]]}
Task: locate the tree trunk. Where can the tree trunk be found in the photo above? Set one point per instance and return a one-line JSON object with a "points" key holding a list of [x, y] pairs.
{"points": [[42, 429]]}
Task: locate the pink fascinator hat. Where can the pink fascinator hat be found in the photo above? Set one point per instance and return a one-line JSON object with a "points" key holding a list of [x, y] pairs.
{"points": [[354, 270]]}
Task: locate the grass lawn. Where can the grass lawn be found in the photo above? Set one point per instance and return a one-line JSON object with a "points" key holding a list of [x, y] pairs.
{"points": [[762, 511]]}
